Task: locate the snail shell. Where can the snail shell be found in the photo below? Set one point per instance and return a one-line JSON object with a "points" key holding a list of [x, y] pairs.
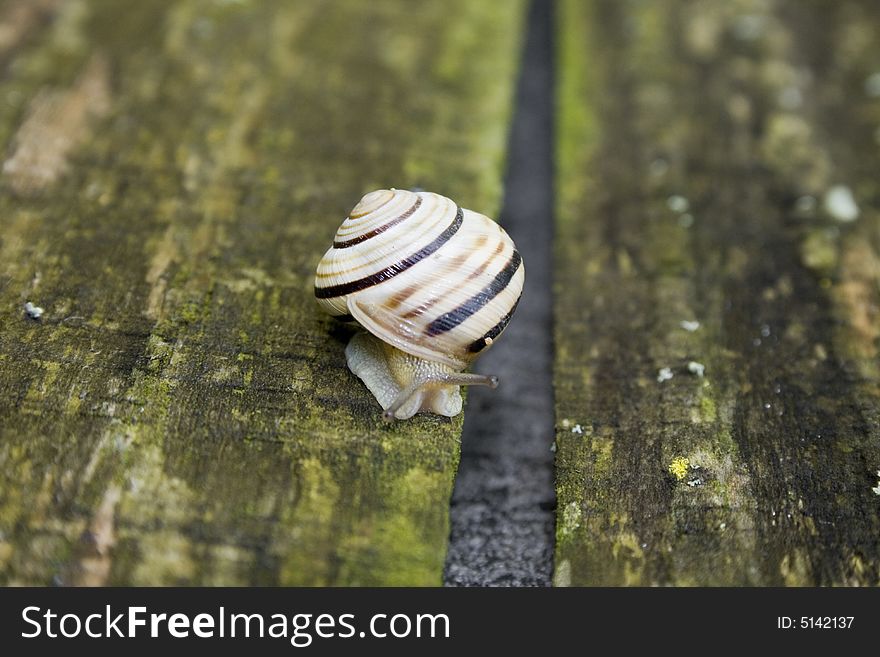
{"points": [[432, 283]]}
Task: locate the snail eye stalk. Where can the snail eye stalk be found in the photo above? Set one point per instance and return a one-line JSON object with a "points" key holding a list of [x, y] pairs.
{"points": [[459, 379]]}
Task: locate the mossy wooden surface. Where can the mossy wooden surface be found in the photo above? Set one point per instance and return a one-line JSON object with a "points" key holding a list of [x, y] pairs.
{"points": [[182, 413], [699, 147]]}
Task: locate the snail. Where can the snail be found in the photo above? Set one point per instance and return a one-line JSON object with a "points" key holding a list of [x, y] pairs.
{"points": [[433, 284]]}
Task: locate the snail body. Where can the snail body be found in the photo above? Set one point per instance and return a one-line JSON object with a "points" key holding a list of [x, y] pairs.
{"points": [[433, 284]]}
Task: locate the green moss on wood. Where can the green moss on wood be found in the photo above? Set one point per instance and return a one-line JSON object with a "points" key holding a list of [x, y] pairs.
{"points": [[182, 360], [696, 142]]}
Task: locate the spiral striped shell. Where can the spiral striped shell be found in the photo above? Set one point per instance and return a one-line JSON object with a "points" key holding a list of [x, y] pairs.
{"points": [[414, 269]]}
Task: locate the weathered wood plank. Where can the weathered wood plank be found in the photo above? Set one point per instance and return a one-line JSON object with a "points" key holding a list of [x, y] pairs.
{"points": [[699, 147], [182, 412]]}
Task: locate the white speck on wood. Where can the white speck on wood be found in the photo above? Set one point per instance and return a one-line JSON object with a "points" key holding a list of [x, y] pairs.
{"points": [[34, 312], [678, 203], [840, 204]]}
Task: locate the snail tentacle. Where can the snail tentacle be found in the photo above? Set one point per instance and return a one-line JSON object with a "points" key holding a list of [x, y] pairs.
{"points": [[458, 379]]}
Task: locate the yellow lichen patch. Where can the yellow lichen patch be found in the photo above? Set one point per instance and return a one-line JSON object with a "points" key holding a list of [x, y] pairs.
{"points": [[679, 467]]}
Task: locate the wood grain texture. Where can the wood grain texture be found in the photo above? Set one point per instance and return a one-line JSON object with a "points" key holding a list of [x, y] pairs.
{"points": [[699, 147], [182, 413]]}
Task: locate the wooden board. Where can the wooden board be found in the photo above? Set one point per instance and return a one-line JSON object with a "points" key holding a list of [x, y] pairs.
{"points": [[717, 294], [182, 412]]}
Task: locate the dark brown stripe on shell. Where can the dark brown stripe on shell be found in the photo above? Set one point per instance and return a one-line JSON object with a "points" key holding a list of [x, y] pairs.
{"points": [[381, 229], [456, 316], [392, 271], [478, 345]]}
